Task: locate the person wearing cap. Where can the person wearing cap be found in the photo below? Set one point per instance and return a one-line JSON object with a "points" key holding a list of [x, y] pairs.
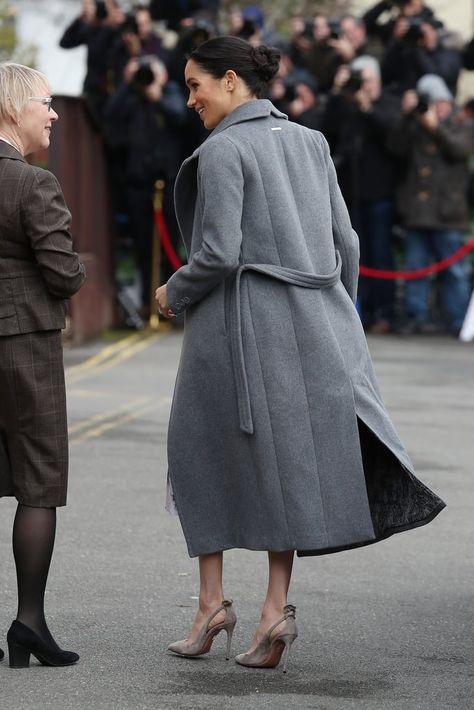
{"points": [[435, 145]]}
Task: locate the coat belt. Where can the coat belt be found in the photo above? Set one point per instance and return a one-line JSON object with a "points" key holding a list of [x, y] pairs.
{"points": [[281, 273]]}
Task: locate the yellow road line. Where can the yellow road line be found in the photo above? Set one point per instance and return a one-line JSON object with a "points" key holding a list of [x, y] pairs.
{"points": [[95, 418], [105, 353], [98, 431], [121, 356]]}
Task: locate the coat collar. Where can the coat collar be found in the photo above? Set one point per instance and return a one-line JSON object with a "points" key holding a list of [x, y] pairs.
{"points": [[250, 110], [8, 151]]}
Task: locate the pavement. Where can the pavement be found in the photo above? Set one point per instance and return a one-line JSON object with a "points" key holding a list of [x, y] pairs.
{"points": [[387, 627]]}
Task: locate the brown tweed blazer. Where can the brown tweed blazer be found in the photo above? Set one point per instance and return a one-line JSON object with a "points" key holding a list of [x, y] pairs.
{"points": [[38, 266]]}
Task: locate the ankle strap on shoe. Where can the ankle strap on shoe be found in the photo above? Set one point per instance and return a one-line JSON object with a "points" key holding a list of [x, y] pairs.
{"points": [[288, 612], [226, 604]]}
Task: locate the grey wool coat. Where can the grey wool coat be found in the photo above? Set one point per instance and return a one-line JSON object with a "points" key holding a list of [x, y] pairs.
{"points": [[278, 437]]}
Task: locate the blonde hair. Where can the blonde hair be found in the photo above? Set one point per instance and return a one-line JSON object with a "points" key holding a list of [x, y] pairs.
{"points": [[17, 84]]}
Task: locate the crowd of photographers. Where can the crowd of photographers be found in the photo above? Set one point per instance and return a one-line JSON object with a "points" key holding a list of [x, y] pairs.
{"points": [[381, 87]]}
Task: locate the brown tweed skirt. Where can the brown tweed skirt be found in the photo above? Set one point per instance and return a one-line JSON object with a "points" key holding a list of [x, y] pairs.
{"points": [[33, 421]]}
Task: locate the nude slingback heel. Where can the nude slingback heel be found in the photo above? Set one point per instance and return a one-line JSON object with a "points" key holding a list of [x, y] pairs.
{"points": [[206, 636], [271, 650]]}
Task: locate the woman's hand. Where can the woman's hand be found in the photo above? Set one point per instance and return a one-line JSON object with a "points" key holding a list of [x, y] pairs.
{"points": [[161, 298]]}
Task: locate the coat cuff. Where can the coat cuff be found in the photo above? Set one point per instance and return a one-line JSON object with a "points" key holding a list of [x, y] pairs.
{"points": [[176, 303]]}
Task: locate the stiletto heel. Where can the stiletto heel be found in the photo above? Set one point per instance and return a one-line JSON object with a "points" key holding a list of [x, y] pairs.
{"points": [[23, 641], [18, 656], [207, 633], [230, 633], [286, 653], [271, 649]]}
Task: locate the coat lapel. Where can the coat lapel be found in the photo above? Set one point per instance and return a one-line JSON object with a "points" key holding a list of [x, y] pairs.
{"points": [[186, 182]]}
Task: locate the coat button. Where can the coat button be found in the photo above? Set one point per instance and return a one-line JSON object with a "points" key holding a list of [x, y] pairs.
{"points": [[425, 171]]}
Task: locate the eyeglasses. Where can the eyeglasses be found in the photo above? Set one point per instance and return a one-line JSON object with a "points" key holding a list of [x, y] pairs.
{"points": [[46, 101]]}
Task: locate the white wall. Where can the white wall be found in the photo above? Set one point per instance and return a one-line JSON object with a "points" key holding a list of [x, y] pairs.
{"points": [[42, 22]]}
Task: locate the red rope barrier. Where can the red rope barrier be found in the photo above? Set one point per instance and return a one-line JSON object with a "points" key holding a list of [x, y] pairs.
{"points": [[419, 273], [167, 245], [435, 268]]}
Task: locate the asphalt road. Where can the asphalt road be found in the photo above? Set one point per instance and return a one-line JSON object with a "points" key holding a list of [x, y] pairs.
{"points": [[388, 627]]}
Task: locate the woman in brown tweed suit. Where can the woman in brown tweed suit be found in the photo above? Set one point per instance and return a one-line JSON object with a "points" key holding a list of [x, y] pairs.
{"points": [[38, 271]]}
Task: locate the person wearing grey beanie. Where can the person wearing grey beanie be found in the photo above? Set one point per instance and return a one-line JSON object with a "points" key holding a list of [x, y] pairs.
{"points": [[432, 198]]}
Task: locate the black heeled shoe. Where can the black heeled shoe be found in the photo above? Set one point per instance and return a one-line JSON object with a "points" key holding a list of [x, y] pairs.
{"points": [[2, 655], [23, 641]]}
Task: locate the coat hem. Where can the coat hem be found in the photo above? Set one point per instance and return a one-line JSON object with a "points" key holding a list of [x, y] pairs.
{"points": [[388, 533], [326, 550]]}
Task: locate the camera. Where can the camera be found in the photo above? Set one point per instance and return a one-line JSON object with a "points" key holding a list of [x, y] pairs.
{"points": [[422, 105], [247, 30], [290, 92], [144, 76], [335, 28], [308, 31], [414, 32], [129, 25], [354, 82], [199, 32], [101, 11]]}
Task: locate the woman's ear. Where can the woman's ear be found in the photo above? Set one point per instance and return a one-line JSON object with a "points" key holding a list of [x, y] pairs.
{"points": [[12, 113], [230, 80]]}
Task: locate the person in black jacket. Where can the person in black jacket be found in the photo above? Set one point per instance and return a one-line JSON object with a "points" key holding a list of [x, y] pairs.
{"points": [[357, 120], [414, 45], [142, 121], [96, 27], [434, 143]]}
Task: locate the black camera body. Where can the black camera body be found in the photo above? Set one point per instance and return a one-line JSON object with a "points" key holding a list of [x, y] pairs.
{"points": [[422, 105], [335, 28], [129, 25], [414, 32], [144, 76], [308, 31], [354, 82], [247, 30], [101, 11]]}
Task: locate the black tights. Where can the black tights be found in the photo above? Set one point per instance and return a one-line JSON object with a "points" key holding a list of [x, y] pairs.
{"points": [[34, 531]]}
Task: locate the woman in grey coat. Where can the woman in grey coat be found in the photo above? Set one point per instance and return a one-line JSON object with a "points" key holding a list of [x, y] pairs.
{"points": [[278, 437]]}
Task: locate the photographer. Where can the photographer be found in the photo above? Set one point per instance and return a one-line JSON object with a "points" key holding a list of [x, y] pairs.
{"points": [[357, 121], [415, 45], [417, 50], [399, 24], [435, 145], [142, 121], [296, 94], [317, 45], [135, 39], [97, 27], [200, 30]]}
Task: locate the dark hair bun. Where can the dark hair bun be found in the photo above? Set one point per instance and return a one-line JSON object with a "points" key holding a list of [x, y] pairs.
{"points": [[266, 61]]}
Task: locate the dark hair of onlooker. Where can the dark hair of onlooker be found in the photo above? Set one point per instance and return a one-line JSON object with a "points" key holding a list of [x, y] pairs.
{"points": [[255, 65]]}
